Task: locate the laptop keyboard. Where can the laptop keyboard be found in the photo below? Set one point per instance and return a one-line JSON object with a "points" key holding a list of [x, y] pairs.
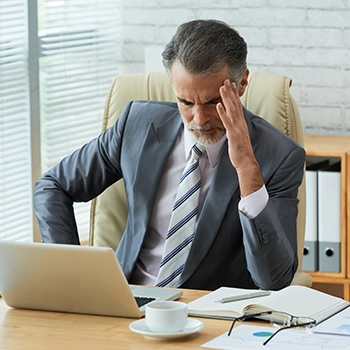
{"points": [[143, 300]]}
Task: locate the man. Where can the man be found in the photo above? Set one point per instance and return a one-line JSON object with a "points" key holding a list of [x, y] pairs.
{"points": [[244, 222]]}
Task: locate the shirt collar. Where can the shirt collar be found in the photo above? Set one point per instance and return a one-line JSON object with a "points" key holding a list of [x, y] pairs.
{"points": [[212, 151]]}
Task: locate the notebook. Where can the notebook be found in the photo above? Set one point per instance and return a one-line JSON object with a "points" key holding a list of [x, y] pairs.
{"points": [[71, 278], [295, 300]]}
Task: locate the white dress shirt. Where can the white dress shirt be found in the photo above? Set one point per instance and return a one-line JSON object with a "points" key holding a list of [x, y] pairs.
{"points": [[147, 266]]}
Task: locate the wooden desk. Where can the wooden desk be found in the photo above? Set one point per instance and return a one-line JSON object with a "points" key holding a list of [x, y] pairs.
{"points": [[42, 330]]}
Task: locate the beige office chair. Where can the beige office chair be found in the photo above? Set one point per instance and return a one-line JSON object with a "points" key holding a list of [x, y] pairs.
{"points": [[267, 95]]}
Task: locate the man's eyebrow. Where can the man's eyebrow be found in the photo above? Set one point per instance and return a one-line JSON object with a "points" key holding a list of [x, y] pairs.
{"points": [[214, 100], [182, 100]]}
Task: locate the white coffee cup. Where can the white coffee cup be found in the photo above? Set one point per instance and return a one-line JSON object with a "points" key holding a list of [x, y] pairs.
{"points": [[166, 316]]}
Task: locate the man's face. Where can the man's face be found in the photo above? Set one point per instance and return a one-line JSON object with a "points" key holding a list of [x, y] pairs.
{"points": [[197, 97]]}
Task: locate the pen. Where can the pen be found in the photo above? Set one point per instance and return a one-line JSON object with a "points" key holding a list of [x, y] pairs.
{"points": [[263, 293]]}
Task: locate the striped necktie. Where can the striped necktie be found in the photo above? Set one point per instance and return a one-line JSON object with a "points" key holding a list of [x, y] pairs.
{"points": [[182, 223]]}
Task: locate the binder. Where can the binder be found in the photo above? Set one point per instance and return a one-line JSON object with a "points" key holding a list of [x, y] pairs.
{"points": [[310, 256], [329, 218]]}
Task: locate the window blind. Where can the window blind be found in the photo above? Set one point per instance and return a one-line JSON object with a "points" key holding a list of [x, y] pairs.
{"points": [[15, 147], [79, 42]]}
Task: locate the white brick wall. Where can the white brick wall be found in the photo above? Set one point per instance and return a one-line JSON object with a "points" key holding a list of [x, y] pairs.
{"points": [[307, 40]]}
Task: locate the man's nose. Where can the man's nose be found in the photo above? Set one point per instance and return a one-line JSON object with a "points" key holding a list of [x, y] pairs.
{"points": [[200, 117]]}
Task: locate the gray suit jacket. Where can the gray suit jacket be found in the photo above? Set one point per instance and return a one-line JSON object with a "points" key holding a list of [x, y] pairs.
{"points": [[228, 248]]}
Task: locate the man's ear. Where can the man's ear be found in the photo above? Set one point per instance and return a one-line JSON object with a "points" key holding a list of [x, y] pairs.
{"points": [[244, 82]]}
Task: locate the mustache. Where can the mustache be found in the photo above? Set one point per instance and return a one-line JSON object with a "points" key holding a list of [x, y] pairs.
{"points": [[205, 127]]}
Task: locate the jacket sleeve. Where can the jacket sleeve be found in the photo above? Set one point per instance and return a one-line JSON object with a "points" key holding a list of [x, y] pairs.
{"points": [[270, 240], [81, 176]]}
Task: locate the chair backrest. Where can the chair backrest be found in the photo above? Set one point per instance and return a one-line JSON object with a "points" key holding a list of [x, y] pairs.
{"points": [[267, 95]]}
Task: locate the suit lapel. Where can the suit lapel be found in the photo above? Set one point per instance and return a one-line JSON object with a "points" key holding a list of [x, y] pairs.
{"points": [[156, 147]]}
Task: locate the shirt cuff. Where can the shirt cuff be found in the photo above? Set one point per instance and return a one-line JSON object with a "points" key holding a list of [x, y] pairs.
{"points": [[252, 205]]}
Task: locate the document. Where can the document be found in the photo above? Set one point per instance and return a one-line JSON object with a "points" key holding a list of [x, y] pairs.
{"points": [[295, 300], [245, 337], [337, 324]]}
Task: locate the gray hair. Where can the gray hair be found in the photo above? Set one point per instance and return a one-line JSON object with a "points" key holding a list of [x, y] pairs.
{"points": [[205, 47]]}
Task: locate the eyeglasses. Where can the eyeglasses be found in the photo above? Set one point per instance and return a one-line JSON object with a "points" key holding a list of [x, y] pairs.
{"points": [[279, 319]]}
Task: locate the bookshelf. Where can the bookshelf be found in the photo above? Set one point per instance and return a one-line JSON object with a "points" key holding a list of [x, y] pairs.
{"points": [[334, 146]]}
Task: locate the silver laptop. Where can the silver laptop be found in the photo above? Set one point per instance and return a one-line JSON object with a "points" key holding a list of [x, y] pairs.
{"points": [[70, 278]]}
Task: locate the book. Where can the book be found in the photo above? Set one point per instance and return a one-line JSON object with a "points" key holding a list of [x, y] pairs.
{"points": [[295, 300]]}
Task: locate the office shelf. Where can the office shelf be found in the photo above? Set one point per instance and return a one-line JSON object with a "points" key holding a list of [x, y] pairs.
{"points": [[339, 147]]}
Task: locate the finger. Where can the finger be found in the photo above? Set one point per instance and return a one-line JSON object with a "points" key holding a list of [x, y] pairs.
{"points": [[221, 110], [232, 93], [229, 98]]}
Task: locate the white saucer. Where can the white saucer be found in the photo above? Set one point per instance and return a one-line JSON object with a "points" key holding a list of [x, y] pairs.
{"points": [[140, 327]]}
